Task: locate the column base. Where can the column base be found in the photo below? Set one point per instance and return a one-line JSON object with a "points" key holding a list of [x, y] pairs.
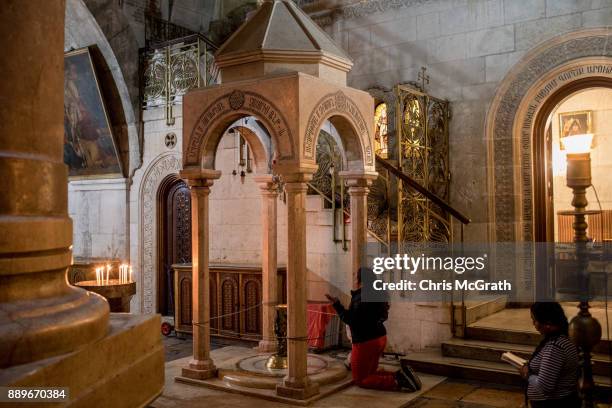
{"points": [[200, 370], [267, 346], [123, 369], [299, 393]]}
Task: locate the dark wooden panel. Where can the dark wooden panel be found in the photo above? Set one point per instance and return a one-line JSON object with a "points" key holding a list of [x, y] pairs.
{"points": [[233, 288], [229, 304], [251, 299]]}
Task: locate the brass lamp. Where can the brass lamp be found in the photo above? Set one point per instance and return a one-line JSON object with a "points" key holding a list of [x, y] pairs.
{"points": [[584, 329]]}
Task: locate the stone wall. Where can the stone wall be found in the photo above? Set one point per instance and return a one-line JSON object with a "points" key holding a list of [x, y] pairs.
{"points": [[467, 46], [98, 207]]}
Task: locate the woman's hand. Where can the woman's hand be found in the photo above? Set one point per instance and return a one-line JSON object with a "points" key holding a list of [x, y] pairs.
{"points": [[332, 299], [524, 371]]}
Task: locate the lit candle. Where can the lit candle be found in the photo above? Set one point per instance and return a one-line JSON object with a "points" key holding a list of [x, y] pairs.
{"points": [[123, 272], [130, 273], [108, 268]]}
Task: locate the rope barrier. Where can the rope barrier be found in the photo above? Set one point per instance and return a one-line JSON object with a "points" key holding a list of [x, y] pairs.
{"points": [[300, 338]]}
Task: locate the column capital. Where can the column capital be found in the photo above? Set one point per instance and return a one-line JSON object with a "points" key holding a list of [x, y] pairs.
{"points": [[296, 187], [358, 178], [267, 183], [291, 178], [356, 191], [195, 175]]}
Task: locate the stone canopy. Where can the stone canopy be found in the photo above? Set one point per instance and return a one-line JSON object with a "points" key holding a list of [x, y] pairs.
{"points": [[280, 37], [283, 70]]}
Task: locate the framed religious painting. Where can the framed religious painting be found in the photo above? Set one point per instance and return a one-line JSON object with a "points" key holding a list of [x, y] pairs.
{"points": [[89, 147], [575, 123]]}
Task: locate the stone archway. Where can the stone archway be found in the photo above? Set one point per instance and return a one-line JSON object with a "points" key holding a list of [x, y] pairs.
{"points": [[165, 165], [511, 122], [200, 145], [351, 125]]}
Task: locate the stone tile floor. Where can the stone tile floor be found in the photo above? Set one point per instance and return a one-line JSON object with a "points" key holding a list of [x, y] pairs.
{"points": [[451, 393], [454, 393]]}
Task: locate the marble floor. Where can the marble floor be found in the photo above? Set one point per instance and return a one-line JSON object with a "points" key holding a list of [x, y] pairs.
{"points": [[457, 393], [438, 392], [520, 319]]}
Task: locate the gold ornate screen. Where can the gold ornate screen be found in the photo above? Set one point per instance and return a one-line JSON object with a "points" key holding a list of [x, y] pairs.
{"points": [[422, 131]]}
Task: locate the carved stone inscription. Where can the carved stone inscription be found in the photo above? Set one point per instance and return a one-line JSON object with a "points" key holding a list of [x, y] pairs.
{"points": [[328, 106], [248, 103], [556, 83]]}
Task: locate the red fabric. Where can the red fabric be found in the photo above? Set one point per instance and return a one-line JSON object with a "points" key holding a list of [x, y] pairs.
{"points": [[319, 314], [364, 365]]}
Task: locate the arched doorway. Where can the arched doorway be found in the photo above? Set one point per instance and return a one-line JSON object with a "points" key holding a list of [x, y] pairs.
{"points": [[174, 237], [578, 99], [577, 103]]}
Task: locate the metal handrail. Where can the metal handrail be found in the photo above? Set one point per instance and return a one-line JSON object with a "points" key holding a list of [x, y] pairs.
{"points": [[419, 188]]}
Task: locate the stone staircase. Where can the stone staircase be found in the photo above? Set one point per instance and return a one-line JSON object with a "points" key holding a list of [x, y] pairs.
{"points": [[477, 356]]}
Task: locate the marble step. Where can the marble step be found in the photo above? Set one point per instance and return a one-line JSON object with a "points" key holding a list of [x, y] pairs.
{"points": [[484, 306], [434, 362], [523, 337], [492, 351]]}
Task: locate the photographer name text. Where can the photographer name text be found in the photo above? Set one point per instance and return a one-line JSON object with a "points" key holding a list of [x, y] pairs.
{"points": [[444, 285]]}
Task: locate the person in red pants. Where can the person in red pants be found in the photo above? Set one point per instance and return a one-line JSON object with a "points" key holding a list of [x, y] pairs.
{"points": [[369, 338]]}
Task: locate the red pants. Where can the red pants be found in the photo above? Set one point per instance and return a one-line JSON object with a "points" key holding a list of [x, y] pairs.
{"points": [[364, 364]]}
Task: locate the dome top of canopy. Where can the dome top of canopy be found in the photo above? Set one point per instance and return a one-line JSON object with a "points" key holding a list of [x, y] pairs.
{"points": [[279, 37]]}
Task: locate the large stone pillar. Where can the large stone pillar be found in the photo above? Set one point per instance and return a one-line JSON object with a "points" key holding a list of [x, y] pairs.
{"points": [[296, 384], [40, 314], [201, 365], [269, 198], [358, 188]]}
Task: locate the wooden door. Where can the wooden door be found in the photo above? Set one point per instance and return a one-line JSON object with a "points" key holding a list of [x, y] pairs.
{"points": [[175, 242]]}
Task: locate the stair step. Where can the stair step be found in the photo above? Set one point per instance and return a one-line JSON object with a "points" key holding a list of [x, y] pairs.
{"points": [[485, 306], [433, 362], [492, 351], [523, 337]]}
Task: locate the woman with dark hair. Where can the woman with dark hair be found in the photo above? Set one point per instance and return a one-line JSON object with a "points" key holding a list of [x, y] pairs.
{"points": [[552, 371], [369, 338]]}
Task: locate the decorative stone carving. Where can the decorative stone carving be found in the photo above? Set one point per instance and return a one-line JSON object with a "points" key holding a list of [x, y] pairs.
{"points": [[236, 99], [336, 104], [170, 140], [248, 103], [507, 189], [166, 164], [364, 8]]}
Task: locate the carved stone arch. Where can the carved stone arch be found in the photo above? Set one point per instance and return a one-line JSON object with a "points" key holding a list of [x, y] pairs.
{"points": [[354, 131], [165, 165], [511, 120], [201, 144]]}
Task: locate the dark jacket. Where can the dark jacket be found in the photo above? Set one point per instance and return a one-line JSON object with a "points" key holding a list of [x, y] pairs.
{"points": [[364, 318]]}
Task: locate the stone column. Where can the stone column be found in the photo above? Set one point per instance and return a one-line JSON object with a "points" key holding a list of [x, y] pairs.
{"points": [[296, 384], [358, 190], [269, 197], [41, 315], [201, 365]]}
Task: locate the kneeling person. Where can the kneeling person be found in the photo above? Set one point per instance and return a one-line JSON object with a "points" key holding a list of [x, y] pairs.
{"points": [[369, 338]]}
